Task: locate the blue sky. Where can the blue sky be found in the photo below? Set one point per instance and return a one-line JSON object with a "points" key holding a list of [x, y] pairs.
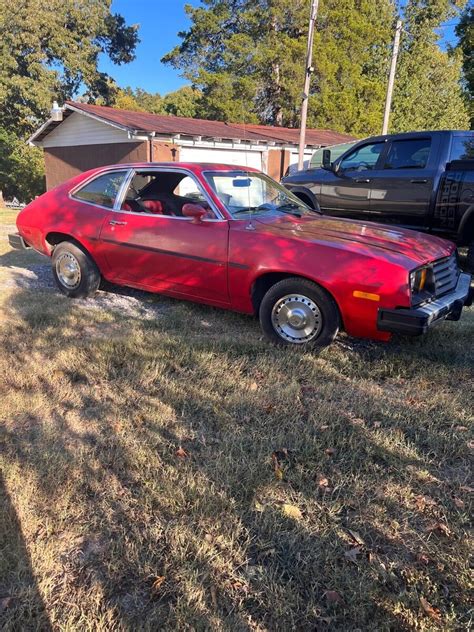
{"points": [[160, 21]]}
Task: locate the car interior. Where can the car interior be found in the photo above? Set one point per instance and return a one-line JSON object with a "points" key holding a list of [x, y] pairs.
{"points": [[164, 193]]}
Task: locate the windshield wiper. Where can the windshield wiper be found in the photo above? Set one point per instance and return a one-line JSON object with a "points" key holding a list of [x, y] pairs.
{"points": [[267, 209]]}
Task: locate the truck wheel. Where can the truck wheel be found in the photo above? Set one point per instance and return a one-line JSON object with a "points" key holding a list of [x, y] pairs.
{"points": [[470, 257], [298, 312], [74, 271]]}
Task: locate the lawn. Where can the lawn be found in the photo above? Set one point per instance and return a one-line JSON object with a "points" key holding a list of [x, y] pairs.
{"points": [[163, 467]]}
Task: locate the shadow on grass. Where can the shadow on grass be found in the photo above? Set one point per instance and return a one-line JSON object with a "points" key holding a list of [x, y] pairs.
{"points": [[212, 523], [21, 604]]}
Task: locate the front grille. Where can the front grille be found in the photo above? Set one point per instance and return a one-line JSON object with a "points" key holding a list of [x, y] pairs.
{"points": [[445, 273]]}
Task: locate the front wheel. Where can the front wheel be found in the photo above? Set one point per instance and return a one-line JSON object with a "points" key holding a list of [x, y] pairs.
{"points": [[74, 271], [299, 312]]}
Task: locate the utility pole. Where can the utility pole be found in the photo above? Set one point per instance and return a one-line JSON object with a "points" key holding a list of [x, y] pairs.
{"points": [[391, 79], [307, 79]]}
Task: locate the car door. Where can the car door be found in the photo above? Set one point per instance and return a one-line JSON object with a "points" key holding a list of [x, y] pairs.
{"points": [[346, 192], [167, 253], [403, 184]]}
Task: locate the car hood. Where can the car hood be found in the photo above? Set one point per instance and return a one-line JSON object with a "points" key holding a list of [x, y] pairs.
{"points": [[412, 245]]}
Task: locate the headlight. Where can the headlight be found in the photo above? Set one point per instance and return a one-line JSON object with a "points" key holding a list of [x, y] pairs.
{"points": [[422, 282]]}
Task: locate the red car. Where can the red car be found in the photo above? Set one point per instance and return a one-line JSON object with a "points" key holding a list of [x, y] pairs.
{"points": [[232, 237]]}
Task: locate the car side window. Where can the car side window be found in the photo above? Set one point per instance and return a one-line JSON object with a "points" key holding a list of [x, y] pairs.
{"points": [[408, 154], [462, 148], [363, 158], [102, 190]]}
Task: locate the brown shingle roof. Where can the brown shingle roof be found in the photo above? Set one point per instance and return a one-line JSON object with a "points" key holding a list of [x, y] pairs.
{"points": [[170, 125]]}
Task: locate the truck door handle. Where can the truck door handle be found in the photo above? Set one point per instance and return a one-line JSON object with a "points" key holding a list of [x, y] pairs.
{"points": [[419, 180], [362, 180], [115, 222]]}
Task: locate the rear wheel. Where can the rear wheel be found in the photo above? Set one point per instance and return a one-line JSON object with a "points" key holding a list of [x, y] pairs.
{"points": [[299, 312], [74, 271]]}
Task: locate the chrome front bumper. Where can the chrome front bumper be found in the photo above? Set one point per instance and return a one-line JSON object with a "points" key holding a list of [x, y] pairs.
{"points": [[417, 321]]}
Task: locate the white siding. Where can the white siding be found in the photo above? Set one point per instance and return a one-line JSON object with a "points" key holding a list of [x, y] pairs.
{"points": [[78, 129], [230, 156]]}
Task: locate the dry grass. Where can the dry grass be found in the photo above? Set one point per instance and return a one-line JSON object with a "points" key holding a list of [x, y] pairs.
{"points": [[140, 491]]}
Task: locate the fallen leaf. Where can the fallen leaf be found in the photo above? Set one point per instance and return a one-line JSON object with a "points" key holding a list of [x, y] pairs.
{"points": [[422, 559], [5, 603], [214, 596], [292, 512], [208, 537], [467, 489], [322, 482], [424, 501], [461, 428], [276, 457], [258, 506], [430, 610], [333, 596], [460, 504], [181, 453], [356, 537], [470, 445], [357, 422], [158, 582], [253, 386], [352, 554], [269, 408], [440, 528], [377, 424], [324, 427], [330, 451]]}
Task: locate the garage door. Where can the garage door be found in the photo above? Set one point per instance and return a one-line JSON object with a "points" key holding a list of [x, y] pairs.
{"points": [[238, 157]]}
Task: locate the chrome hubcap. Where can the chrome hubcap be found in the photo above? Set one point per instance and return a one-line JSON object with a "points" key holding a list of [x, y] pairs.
{"points": [[68, 270], [296, 318]]}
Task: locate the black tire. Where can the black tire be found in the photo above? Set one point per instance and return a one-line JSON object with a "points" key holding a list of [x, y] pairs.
{"points": [[68, 258], [470, 257], [310, 304]]}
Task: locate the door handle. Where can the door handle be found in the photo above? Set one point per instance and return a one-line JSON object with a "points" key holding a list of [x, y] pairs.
{"points": [[419, 181], [115, 222], [362, 180]]}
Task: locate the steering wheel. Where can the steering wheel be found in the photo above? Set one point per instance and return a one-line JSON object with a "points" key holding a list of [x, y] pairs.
{"points": [[363, 166]]}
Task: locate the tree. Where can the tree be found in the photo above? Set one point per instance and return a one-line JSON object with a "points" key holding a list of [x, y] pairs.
{"points": [[49, 49], [427, 92], [465, 33], [247, 57], [183, 102], [21, 168]]}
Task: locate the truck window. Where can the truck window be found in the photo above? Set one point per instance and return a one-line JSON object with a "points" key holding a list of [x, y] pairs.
{"points": [[408, 154], [462, 148], [362, 158]]}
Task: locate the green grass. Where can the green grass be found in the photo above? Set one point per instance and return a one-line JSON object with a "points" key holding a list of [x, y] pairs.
{"points": [[140, 492]]}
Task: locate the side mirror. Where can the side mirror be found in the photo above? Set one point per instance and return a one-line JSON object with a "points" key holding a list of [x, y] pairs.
{"points": [[327, 159], [196, 211]]}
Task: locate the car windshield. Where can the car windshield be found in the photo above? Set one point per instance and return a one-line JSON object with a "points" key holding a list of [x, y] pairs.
{"points": [[244, 192]]}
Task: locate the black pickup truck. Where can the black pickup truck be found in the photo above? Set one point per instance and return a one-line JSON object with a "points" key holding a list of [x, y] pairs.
{"points": [[419, 180]]}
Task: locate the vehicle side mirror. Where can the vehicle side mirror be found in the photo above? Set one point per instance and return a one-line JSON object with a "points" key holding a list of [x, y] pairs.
{"points": [[196, 211], [327, 159]]}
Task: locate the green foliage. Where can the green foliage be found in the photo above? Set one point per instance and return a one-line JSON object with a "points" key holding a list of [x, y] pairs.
{"points": [[427, 92], [21, 168], [247, 56], [185, 101], [49, 49], [465, 33]]}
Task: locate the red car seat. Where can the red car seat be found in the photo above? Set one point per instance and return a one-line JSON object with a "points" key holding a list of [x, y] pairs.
{"points": [[153, 206]]}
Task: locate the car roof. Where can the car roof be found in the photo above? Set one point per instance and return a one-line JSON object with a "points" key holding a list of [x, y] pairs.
{"points": [[414, 135], [195, 167]]}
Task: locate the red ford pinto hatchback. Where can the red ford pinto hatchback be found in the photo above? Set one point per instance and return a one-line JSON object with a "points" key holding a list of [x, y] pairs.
{"points": [[233, 238]]}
